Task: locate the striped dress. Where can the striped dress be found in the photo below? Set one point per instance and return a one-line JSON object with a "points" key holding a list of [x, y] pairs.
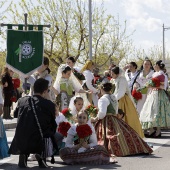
{"points": [[116, 135], [95, 155]]}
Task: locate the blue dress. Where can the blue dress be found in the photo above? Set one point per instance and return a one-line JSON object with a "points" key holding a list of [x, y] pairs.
{"points": [[3, 141]]}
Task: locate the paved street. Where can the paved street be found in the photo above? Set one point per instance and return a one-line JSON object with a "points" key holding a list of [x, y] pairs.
{"points": [[159, 160]]}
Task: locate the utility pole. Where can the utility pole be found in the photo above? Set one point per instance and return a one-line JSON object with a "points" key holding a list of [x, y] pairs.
{"points": [[163, 41], [90, 30]]}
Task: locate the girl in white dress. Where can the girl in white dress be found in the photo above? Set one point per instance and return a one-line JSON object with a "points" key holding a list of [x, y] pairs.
{"points": [[83, 152], [144, 76]]}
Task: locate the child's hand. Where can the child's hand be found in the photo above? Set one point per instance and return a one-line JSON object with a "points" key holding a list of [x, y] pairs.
{"points": [[85, 145], [94, 119]]}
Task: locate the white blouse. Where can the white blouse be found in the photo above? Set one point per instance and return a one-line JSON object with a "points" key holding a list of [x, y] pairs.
{"points": [[1, 97], [141, 80], [130, 77], [72, 132], [166, 78], [121, 87], [88, 80], [103, 104]]}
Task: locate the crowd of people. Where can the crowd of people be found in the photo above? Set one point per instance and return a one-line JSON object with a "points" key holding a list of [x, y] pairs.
{"points": [[83, 115]]}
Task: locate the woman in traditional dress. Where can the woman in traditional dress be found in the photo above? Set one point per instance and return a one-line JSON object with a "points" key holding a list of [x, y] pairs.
{"points": [[3, 140], [156, 109], [113, 133], [144, 76], [65, 84], [126, 103], [84, 152], [89, 81]]}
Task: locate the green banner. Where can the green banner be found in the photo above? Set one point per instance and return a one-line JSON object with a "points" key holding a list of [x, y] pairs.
{"points": [[24, 51]]}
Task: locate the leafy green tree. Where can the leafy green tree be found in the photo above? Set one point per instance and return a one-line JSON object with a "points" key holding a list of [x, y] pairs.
{"points": [[68, 35]]}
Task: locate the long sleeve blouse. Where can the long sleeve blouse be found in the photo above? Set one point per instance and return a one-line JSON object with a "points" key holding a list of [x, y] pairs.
{"points": [[89, 77], [72, 132], [103, 103]]}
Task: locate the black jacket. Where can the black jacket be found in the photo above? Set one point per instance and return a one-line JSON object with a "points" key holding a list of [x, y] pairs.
{"points": [[27, 137]]}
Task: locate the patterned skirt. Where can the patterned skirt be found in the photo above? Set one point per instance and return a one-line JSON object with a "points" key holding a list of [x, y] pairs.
{"points": [[131, 116], [156, 110], [3, 142], [119, 138], [93, 156]]}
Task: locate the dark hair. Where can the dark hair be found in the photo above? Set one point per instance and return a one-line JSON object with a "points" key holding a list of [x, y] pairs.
{"points": [[77, 98], [49, 71], [160, 64], [72, 59], [107, 87], [134, 64], [40, 85], [84, 111], [120, 112], [115, 70], [46, 61], [141, 68], [67, 68]]}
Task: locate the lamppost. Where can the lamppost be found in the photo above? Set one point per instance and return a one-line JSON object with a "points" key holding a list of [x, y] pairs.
{"points": [[164, 28], [90, 30]]}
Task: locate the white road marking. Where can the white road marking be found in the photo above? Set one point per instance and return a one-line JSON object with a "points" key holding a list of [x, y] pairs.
{"points": [[157, 143], [5, 160]]}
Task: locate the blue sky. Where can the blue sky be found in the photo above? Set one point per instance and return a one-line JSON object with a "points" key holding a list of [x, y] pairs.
{"points": [[146, 17]]}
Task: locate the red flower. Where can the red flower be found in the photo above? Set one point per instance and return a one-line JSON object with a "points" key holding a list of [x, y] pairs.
{"points": [[156, 82], [92, 110], [83, 131], [136, 94], [63, 128], [66, 113], [16, 83]]}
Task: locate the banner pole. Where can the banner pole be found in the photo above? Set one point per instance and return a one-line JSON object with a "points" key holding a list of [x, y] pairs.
{"points": [[25, 15]]}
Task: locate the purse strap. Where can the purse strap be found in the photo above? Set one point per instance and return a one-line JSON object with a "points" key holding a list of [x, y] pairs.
{"points": [[36, 118]]}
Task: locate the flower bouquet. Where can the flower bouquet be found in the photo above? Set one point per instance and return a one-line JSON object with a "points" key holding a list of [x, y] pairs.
{"points": [[79, 75], [92, 111], [16, 83], [66, 113], [83, 132], [63, 128], [154, 82], [137, 95]]}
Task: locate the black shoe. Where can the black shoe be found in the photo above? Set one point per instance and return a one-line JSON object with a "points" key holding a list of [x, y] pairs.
{"points": [[41, 162], [151, 135], [22, 161]]}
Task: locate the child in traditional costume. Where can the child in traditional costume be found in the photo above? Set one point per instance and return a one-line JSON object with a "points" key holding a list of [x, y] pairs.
{"points": [[81, 144]]}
